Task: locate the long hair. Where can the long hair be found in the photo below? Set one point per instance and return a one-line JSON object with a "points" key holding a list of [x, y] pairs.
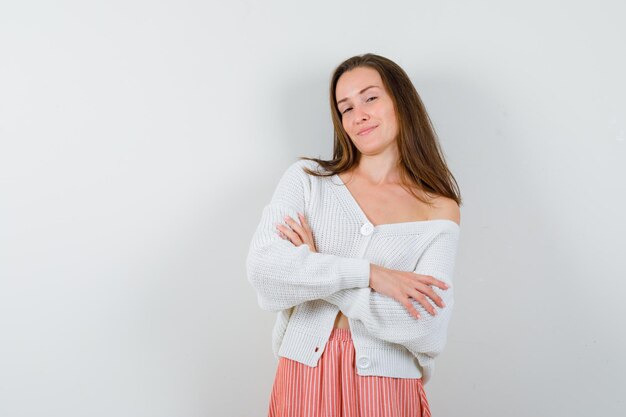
{"points": [[422, 163]]}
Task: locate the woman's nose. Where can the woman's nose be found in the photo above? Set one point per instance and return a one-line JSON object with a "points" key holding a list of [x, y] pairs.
{"points": [[361, 115]]}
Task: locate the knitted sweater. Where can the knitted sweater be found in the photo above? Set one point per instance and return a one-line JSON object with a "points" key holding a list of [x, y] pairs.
{"points": [[307, 289]]}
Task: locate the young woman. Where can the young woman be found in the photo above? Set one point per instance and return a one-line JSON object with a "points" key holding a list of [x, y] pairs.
{"points": [[356, 254]]}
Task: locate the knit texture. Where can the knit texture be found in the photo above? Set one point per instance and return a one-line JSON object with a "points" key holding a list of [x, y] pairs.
{"points": [[307, 289]]}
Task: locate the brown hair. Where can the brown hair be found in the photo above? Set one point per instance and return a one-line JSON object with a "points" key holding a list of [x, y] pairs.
{"points": [[422, 163]]}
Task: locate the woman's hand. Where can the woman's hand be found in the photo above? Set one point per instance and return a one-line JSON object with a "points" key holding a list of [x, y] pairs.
{"points": [[296, 233], [402, 285]]}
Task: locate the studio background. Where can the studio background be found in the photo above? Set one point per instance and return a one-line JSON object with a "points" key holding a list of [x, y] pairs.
{"points": [[140, 140]]}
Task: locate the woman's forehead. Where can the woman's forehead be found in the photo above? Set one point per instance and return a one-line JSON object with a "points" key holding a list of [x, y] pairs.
{"points": [[354, 82]]}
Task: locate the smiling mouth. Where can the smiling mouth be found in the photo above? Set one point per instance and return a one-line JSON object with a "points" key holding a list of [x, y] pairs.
{"points": [[365, 132]]}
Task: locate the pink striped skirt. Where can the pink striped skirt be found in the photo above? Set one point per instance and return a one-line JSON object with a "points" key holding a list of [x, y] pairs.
{"points": [[333, 388]]}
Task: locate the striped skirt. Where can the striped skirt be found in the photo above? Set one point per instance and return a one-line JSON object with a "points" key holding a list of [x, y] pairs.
{"points": [[333, 388]]}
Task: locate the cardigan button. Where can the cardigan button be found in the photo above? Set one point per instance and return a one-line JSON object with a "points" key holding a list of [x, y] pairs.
{"points": [[367, 229], [363, 362]]}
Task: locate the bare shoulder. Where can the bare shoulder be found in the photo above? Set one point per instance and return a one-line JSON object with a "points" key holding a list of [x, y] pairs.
{"points": [[447, 208]]}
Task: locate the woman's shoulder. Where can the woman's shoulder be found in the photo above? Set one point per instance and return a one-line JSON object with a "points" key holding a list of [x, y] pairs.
{"points": [[446, 208], [299, 167], [308, 163], [296, 176]]}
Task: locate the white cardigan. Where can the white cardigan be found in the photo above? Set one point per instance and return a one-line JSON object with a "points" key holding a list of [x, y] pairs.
{"points": [[307, 289]]}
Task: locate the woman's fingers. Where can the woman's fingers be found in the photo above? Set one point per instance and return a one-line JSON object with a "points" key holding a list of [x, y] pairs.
{"points": [[304, 222], [409, 306], [422, 288], [294, 230], [291, 235], [302, 231], [297, 233], [427, 290], [434, 281], [299, 229], [420, 298], [309, 233]]}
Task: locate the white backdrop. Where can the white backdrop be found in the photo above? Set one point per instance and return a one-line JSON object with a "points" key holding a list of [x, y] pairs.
{"points": [[139, 141]]}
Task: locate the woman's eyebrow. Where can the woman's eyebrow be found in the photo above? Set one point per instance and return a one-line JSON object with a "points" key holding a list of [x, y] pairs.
{"points": [[360, 92]]}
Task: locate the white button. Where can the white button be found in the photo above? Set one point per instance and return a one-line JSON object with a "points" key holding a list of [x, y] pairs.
{"points": [[367, 228], [363, 362]]}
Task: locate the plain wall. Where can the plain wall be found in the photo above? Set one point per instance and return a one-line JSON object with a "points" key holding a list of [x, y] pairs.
{"points": [[140, 140]]}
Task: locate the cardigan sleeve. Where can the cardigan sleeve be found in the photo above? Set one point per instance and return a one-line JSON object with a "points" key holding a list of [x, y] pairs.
{"points": [[386, 318], [285, 275]]}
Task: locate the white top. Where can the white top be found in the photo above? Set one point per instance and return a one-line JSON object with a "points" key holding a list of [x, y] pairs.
{"points": [[307, 289]]}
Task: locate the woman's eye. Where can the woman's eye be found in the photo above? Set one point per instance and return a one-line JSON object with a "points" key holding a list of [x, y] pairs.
{"points": [[350, 108]]}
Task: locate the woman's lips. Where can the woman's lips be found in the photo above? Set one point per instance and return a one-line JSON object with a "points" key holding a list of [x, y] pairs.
{"points": [[365, 132]]}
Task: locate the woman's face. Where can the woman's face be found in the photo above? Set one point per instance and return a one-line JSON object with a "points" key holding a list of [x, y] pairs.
{"points": [[368, 114]]}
